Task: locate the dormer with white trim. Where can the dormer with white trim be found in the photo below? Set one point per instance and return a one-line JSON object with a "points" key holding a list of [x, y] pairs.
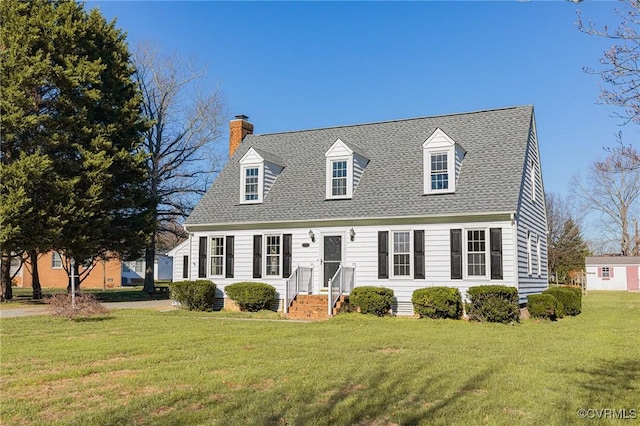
{"points": [[344, 167], [442, 159], [258, 172]]}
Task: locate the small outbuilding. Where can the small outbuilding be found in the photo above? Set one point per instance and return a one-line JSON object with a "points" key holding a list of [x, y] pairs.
{"points": [[613, 273]]}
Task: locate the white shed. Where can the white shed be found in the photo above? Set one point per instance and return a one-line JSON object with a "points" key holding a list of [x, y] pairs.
{"points": [[613, 272]]}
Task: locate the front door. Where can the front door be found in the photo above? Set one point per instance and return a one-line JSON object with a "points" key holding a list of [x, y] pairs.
{"points": [[332, 257], [632, 278]]}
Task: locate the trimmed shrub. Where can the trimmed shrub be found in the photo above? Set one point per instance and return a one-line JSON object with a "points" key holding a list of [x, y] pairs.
{"points": [[199, 295], [437, 302], [570, 298], [251, 296], [544, 306], [372, 300], [493, 303]]}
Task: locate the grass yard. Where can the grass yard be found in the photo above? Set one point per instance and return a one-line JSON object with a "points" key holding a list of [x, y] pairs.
{"points": [[23, 296], [179, 368]]}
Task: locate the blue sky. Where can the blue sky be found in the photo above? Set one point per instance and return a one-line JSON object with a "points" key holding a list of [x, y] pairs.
{"points": [[295, 65]]}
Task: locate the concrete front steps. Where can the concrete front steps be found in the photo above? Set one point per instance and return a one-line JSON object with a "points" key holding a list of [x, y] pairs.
{"points": [[313, 307]]}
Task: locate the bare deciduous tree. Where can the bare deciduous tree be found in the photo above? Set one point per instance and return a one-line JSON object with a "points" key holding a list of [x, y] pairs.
{"points": [[613, 190], [620, 65], [186, 123]]}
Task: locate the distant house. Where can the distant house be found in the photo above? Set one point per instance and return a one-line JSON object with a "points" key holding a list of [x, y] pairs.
{"points": [[180, 260], [453, 200], [133, 270], [613, 273], [105, 274]]}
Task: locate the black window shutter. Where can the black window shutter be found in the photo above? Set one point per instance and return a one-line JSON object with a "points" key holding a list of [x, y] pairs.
{"points": [[257, 256], [496, 253], [185, 266], [383, 254], [202, 258], [287, 245], [418, 255], [228, 257], [456, 254]]}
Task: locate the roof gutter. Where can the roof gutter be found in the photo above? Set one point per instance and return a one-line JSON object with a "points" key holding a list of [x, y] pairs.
{"points": [[363, 221]]}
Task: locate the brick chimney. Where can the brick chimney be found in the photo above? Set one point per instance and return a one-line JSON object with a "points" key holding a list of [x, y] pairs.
{"points": [[239, 127]]}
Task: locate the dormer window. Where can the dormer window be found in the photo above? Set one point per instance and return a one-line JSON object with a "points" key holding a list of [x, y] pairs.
{"points": [[439, 172], [251, 183], [339, 178], [442, 160], [258, 172], [345, 165]]}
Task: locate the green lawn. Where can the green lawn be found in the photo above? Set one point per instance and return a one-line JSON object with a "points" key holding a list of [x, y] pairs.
{"points": [[177, 368], [24, 296]]}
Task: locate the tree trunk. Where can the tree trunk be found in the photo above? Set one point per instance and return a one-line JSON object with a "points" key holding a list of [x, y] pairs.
{"points": [[35, 277], [76, 271], [149, 262], [7, 291]]}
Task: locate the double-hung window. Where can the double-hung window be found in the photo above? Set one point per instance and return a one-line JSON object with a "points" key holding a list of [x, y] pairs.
{"points": [[138, 267], [339, 178], [272, 255], [476, 253], [251, 186], [606, 272], [56, 260], [217, 256], [439, 172], [402, 253]]}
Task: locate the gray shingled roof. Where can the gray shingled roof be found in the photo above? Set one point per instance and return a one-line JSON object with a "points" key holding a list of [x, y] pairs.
{"points": [[392, 183]]}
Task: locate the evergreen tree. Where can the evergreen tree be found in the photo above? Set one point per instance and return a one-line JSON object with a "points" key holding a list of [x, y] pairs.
{"points": [[70, 109], [569, 251]]}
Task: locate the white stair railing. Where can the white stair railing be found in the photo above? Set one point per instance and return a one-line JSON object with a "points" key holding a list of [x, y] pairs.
{"points": [[300, 280], [342, 282]]}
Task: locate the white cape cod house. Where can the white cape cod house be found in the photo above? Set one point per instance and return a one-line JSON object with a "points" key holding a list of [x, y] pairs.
{"points": [[454, 200]]}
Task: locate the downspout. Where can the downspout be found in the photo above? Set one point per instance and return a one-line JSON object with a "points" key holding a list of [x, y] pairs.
{"points": [[516, 263]]}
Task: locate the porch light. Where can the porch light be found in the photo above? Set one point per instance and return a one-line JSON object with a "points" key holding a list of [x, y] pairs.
{"points": [[352, 234], [312, 236]]}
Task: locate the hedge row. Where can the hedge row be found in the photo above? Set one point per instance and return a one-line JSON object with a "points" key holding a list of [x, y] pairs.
{"points": [[555, 302]]}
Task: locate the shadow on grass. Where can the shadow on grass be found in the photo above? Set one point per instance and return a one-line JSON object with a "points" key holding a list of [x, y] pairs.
{"points": [[128, 295], [612, 384], [381, 399], [611, 381], [92, 319]]}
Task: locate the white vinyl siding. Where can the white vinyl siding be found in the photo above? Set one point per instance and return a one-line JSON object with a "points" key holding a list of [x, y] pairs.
{"points": [[530, 219], [539, 256], [362, 252]]}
